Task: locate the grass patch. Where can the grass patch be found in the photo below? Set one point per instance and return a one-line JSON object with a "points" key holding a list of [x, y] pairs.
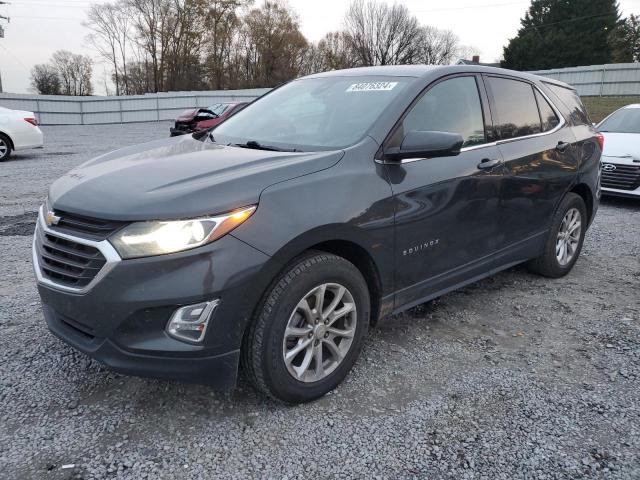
{"points": [[600, 107]]}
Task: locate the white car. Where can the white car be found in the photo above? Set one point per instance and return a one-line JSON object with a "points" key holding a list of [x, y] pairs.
{"points": [[18, 131], [621, 155]]}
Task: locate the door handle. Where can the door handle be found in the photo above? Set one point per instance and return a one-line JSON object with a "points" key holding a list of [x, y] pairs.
{"points": [[562, 146], [487, 163]]}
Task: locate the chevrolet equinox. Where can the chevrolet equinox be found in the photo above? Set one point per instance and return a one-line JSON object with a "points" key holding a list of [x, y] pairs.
{"points": [[274, 241]]}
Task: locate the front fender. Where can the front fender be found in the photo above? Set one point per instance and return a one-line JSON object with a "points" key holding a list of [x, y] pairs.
{"points": [[351, 201]]}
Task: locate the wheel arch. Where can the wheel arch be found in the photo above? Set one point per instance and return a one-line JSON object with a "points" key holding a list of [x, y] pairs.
{"points": [[11, 144], [584, 191], [364, 262], [343, 241]]}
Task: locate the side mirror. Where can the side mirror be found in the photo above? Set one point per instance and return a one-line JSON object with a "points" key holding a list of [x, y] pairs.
{"points": [[419, 144]]}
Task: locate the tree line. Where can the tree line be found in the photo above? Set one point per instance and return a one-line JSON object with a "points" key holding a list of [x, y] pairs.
{"points": [[66, 74], [571, 33], [170, 45]]}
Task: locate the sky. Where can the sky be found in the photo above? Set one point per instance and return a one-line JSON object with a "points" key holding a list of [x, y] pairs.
{"points": [[40, 27]]}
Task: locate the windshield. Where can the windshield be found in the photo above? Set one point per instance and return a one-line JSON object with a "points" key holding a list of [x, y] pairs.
{"points": [[219, 108], [313, 113], [626, 120]]}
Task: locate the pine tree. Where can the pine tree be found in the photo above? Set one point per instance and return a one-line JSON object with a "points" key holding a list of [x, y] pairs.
{"points": [[625, 41], [563, 33]]}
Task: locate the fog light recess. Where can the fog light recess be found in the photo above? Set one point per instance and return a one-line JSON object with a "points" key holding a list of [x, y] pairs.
{"points": [[190, 323]]}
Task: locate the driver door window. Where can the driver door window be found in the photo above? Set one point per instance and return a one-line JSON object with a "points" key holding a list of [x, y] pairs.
{"points": [[450, 106]]}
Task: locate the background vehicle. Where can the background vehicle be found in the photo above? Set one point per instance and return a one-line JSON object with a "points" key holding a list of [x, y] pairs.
{"points": [[621, 155], [18, 131], [196, 119], [327, 204]]}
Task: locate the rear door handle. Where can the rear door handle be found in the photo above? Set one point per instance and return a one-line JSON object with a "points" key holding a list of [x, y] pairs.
{"points": [[487, 163], [562, 146]]}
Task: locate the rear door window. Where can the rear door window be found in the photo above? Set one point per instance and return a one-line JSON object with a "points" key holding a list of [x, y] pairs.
{"points": [[515, 109], [548, 115], [570, 99], [449, 106]]}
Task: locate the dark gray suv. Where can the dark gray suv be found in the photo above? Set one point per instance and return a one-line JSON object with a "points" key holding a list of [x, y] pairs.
{"points": [[274, 241]]}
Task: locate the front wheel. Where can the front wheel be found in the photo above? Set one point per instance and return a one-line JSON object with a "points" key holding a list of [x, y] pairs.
{"points": [[309, 330], [5, 147], [566, 236]]}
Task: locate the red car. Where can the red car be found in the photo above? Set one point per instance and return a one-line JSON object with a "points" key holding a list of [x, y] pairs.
{"points": [[198, 119]]}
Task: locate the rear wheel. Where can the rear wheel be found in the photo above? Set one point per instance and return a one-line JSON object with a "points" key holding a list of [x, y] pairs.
{"points": [[309, 330], [564, 244], [5, 147]]}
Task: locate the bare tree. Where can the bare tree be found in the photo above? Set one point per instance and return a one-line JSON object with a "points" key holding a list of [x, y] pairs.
{"points": [[437, 47], [74, 71], [111, 27], [151, 22], [270, 46], [336, 51], [45, 80], [222, 22], [157, 45], [380, 34], [139, 77]]}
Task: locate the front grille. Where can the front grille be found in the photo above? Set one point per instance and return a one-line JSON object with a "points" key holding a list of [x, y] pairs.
{"points": [[93, 228], [66, 262], [624, 177]]}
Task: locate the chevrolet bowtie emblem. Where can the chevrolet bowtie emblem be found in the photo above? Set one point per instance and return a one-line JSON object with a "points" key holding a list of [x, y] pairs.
{"points": [[52, 218]]}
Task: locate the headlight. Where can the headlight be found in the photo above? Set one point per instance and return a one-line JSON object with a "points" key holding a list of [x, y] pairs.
{"points": [[143, 239]]}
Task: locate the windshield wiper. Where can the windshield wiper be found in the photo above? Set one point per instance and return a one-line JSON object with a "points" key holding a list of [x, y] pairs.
{"points": [[259, 146]]}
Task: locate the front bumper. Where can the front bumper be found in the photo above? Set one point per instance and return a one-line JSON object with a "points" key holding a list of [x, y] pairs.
{"points": [[175, 132], [614, 192], [121, 319], [217, 371]]}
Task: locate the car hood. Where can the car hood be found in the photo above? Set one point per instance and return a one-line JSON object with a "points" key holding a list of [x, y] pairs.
{"points": [[178, 177], [188, 115], [624, 145]]}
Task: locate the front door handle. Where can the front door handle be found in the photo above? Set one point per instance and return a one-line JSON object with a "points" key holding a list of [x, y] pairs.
{"points": [[562, 146], [487, 163]]}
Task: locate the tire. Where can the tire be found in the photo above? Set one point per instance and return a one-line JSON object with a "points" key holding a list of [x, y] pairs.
{"points": [[5, 147], [283, 309], [552, 263]]}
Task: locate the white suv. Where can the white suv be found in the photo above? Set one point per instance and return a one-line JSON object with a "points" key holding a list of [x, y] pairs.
{"points": [[18, 131]]}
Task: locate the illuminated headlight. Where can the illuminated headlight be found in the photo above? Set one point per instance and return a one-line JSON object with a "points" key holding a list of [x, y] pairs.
{"points": [[143, 239]]}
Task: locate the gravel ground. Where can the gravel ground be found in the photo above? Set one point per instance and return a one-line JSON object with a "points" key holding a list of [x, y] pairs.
{"points": [[514, 377]]}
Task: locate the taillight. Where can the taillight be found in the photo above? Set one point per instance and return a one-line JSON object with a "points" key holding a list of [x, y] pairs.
{"points": [[32, 121], [600, 139]]}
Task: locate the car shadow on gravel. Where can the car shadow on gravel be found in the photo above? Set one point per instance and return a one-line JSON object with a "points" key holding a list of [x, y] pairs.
{"points": [[621, 202], [447, 323]]}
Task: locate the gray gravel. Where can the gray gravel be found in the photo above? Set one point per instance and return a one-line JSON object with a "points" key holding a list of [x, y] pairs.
{"points": [[514, 377]]}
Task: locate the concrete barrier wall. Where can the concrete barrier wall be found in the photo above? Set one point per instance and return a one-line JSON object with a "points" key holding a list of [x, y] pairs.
{"points": [[595, 80], [65, 110], [616, 79]]}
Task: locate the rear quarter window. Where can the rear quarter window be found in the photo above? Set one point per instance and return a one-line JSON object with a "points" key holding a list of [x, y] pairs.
{"points": [[549, 118], [571, 101]]}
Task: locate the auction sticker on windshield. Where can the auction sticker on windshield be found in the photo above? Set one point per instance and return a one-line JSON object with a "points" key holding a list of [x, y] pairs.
{"points": [[371, 86]]}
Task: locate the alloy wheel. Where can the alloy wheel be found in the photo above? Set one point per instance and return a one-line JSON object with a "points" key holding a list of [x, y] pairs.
{"points": [[3, 147], [568, 236], [320, 332]]}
